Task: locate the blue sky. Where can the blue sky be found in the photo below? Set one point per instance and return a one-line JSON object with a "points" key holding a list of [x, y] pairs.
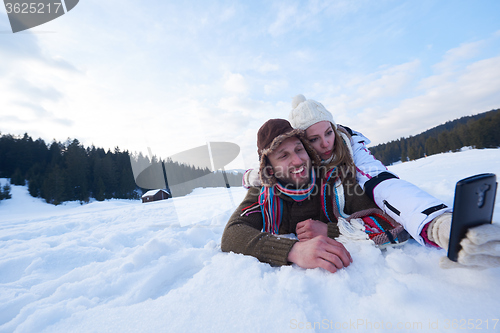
{"points": [[172, 75]]}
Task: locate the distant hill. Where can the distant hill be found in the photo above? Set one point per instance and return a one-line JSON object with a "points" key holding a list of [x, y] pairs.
{"points": [[479, 131]]}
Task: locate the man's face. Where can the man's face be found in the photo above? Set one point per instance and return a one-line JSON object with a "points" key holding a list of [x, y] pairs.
{"points": [[291, 163]]}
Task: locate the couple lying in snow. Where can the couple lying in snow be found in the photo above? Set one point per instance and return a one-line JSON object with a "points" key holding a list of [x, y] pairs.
{"points": [[318, 180]]}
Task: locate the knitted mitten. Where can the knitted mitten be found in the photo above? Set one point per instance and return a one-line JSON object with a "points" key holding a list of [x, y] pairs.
{"points": [[480, 247], [439, 230]]}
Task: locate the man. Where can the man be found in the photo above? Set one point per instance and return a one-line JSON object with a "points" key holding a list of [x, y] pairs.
{"points": [[290, 202]]}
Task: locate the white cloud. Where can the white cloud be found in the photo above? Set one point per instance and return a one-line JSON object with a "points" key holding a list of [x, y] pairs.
{"points": [[275, 86], [236, 83], [33, 84], [365, 95], [308, 16], [267, 67], [455, 56], [481, 83], [398, 101], [389, 82], [472, 90], [286, 13]]}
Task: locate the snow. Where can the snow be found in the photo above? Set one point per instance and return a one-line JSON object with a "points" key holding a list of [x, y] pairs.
{"points": [[124, 266]]}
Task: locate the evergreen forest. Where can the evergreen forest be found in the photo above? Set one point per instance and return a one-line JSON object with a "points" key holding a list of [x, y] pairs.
{"points": [[70, 172], [479, 131]]}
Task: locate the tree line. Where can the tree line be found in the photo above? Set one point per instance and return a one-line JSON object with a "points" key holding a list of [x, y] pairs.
{"points": [[479, 131], [69, 171]]}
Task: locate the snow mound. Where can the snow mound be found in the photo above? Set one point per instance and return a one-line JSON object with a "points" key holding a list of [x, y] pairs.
{"points": [[124, 266]]}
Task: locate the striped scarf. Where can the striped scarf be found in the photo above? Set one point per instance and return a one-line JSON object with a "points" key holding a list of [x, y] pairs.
{"points": [[335, 198], [271, 205]]}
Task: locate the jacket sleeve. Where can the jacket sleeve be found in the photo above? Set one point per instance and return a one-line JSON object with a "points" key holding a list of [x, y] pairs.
{"points": [[367, 166], [406, 203], [243, 234]]}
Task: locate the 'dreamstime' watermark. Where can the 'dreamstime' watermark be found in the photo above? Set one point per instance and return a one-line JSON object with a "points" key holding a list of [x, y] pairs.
{"points": [[26, 14]]}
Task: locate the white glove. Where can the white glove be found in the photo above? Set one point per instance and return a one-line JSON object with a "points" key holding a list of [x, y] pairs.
{"points": [[251, 178], [480, 247]]}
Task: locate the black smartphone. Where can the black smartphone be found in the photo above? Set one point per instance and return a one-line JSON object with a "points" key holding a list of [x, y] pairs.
{"points": [[473, 205]]}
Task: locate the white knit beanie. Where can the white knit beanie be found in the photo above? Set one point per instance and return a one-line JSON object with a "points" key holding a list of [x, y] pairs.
{"points": [[308, 112]]}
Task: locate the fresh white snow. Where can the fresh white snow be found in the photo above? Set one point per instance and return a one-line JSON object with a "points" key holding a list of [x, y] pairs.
{"points": [[124, 266]]}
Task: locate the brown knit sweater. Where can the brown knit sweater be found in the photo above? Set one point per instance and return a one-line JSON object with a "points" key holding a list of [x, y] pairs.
{"points": [[243, 233]]}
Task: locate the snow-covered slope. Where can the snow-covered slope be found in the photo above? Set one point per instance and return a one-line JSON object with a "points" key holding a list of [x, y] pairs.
{"points": [[123, 266]]}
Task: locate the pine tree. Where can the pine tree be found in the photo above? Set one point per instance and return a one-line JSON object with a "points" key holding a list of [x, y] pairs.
{"points": [[431, 146], [443, 142], [35, 185], [100, 190], [77, 172], [6, 191], [54, 186], [18, 178], [404, 151]]}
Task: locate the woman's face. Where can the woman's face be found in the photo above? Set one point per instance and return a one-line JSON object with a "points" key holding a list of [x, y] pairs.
{"points": [[321, 137]]}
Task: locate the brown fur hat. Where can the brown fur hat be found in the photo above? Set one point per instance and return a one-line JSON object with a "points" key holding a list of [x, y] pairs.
{"points": [[269, 137]]}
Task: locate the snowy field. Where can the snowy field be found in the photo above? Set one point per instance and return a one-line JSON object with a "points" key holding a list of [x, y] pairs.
{"points": [[124, 266]]}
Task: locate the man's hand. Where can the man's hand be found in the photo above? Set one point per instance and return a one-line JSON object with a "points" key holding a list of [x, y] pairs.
{"points": [[320, 251], [309, 229]]}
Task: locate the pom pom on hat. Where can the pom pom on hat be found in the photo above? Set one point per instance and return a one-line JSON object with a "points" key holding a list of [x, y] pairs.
{"points": [[307, 112], [297, 100]]}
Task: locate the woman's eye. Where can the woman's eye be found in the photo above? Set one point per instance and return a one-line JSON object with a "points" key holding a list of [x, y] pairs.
{"points": [[329, 132], [313, 140]]}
